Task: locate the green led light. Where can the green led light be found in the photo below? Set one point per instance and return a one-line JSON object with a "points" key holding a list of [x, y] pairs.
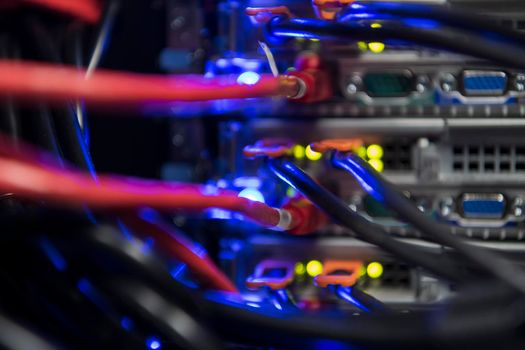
{"points": [[312, 155], [374, 270], [299, 152], [361, 152], [291, 192], [362, 46], [377, 164], [362, 271], [314, 268], [376, 47], [375, 152], [300, 269]]}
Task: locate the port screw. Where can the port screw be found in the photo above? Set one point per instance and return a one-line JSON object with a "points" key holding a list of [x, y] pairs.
{"points": [[355, 85], [446, 206], [449, 83], [518, 206], [422, 83], [519, 82]]}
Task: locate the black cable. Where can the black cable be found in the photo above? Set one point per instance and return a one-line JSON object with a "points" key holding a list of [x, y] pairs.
{"points": [[69, 134], [492, 263], [366, 231], [14, 336], [100, 46], [360, 299], [107, 255], [477, 23], [455, 41]]}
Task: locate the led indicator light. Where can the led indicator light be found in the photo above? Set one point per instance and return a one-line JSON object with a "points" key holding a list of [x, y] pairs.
{"points": [[375, 152], [313, 155], [377, 164], [374, 270], [252, 194], [248, 78], [299, 152], [314, 268], [376, 47], [300, 269]]}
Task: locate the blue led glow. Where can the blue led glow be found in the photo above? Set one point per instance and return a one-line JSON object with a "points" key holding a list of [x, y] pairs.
{"points": [[126, 323], [153, 343], [176, 271], [248, 78], [252, 194]]}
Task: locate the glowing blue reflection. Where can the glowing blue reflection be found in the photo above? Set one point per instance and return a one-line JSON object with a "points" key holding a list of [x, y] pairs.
{"points": [[251, 182], [421, 23], [365, 178], [248, 78], [153, 343], [126, 323], [53, 255], [252, 194]]}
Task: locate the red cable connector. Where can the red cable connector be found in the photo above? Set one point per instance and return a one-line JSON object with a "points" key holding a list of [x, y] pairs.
{"points": [[26, 174], [314, 77], [309, 218]]}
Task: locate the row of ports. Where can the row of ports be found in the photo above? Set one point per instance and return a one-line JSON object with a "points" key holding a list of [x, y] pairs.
{"points": [[404, 83], [467, 206]]}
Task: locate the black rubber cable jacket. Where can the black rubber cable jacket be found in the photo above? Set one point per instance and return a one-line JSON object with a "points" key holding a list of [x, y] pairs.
{"points": [[491, 262], [366, 231]]}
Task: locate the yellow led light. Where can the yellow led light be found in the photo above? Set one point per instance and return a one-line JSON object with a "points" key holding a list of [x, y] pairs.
{"points": [[362, 271], [314, 40], [312, 155], [291, 192], [377, 164], [300, 269], [361, 152], [362, 46], [376, 47], [376, 25], [314, 268], [375, 152], [374, 270], [298, 151]]}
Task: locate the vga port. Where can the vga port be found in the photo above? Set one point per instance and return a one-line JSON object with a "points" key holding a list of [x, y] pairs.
{"points": [[483, 206], [484, 83], [388, 84]]}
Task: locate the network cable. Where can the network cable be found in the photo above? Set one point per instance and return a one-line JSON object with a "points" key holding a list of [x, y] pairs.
{"points": [[39, 81], [342, 214], [374, 184], [435, 14], [456, 41]]}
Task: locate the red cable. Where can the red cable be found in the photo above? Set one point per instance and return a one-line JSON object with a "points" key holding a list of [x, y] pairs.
{"points": [[29, 180], [85, 10], [31, 80], [175, 244]]}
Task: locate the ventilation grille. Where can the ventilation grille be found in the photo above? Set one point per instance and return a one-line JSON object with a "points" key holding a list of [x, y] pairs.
{"points": [[489, 159]]}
